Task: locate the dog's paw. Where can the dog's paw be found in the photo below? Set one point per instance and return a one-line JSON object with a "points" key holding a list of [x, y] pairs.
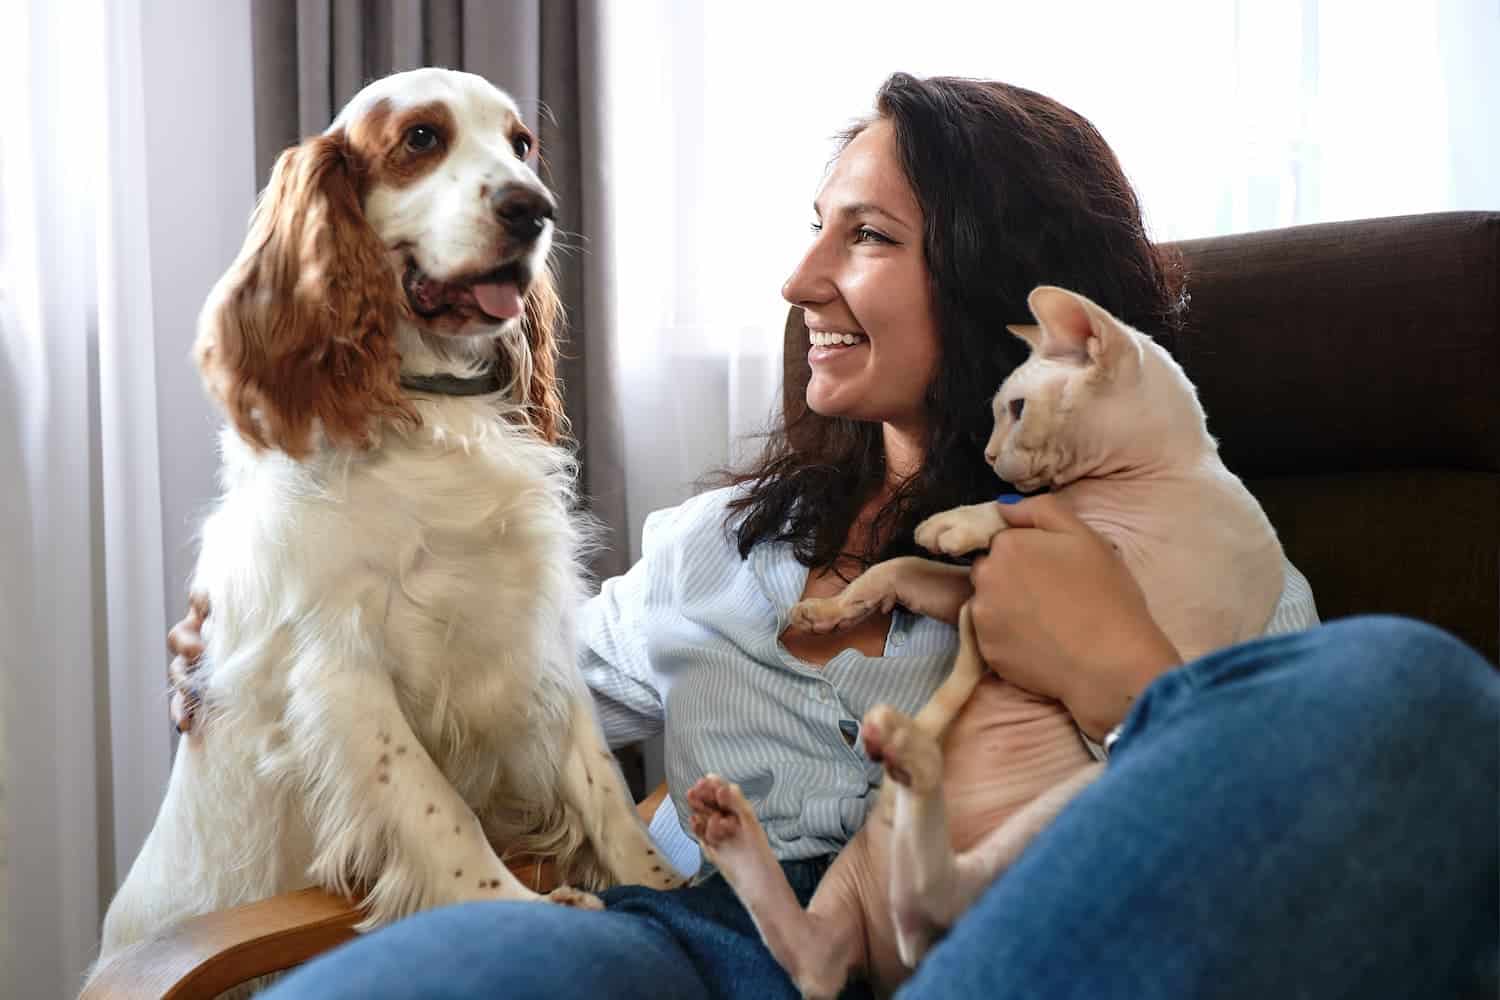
{"points": [[821, 615], [566, 895], [955, 532], [912, 757]]}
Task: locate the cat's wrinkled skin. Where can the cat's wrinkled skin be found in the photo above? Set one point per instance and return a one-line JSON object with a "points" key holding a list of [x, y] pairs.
{"points": [[1104, 417]]}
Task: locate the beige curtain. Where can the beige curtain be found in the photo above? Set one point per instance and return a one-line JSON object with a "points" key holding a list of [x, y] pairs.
{"points": [[311, 56]]}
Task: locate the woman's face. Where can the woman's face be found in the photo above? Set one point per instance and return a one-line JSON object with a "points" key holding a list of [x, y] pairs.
{"points": [[865, 279]]}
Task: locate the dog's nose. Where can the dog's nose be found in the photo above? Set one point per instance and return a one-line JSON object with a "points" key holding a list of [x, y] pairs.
{"points": [[523, 210]]}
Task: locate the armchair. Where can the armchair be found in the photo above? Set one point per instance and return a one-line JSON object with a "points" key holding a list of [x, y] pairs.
{"points": [[1351, 372]]}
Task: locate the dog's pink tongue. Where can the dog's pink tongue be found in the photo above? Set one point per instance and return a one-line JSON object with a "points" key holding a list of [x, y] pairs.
{"points": [[500, 299]]}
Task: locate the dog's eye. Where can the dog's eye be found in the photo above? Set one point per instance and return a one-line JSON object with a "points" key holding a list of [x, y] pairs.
{"points": [[522, 145], [421, 138], [1016, 406]]}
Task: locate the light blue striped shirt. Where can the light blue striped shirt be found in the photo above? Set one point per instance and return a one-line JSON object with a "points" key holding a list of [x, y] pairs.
{"points": [[692, 632]]}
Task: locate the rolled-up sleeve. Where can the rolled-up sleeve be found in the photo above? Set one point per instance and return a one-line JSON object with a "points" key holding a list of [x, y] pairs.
{"points": [[614, 628], [1297, 610]]}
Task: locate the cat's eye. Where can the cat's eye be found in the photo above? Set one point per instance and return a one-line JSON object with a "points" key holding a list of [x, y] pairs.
{"points": [[1016, 406]]}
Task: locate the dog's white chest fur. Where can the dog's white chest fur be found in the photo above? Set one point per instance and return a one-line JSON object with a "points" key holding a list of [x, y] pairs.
{"points": [[441, 567], [444, 548]]}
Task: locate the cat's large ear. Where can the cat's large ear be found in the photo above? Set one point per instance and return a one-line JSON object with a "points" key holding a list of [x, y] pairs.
{"points": [[1031, 333], [1075, 329]]}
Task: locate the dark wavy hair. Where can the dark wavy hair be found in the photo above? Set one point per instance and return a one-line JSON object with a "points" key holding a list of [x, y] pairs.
{"points": [[1016, 191]]}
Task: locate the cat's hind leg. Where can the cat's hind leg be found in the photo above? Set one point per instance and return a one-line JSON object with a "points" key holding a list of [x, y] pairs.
{"points": [[818, 947]]}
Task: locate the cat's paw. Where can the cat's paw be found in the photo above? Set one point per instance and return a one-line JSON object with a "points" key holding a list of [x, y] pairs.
{"points": [[720, 813], [912, 757], [821, 615], [732, 838], [957, 532]]}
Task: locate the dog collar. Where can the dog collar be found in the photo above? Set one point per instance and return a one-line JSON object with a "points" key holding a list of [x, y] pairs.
{"points": [[453, 385]]}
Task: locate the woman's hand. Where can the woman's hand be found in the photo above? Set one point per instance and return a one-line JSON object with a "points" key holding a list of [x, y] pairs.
{"points": [[1058, 613], [185, 643]]}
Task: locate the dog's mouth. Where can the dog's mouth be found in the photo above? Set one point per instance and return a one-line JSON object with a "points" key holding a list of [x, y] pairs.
{"points": [[497, 295]]}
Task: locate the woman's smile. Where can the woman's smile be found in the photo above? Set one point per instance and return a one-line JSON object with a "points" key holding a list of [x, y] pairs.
{"points": [[833, 346]]}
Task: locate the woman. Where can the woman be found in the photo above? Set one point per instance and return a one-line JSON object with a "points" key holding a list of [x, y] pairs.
{"points": [[1199, 844]]}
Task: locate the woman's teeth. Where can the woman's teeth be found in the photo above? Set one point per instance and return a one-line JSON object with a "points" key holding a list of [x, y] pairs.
{"points": [[834, 339]]}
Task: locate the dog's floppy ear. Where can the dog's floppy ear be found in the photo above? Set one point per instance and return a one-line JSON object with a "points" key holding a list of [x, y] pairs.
{"points": [[298, 336], [542, 326], [1076, 330]]}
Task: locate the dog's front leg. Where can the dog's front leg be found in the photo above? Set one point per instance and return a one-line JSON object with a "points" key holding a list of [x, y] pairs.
{"points": [[593, 785], [383, 815]]}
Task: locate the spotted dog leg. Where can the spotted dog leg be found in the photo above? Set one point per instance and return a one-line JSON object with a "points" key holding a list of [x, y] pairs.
{"points": [[383, 814], [593, 785]]}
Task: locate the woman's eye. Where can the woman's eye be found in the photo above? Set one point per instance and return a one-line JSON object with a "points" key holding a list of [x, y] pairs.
{"points": [[1016, 406], [522, 146], [816, 227], [864, 234], [421, 138]]}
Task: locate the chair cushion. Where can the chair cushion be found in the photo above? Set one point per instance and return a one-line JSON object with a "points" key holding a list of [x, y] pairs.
{"points": [[1349, 345]]}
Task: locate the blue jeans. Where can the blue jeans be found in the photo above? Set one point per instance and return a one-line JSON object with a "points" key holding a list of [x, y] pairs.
{"points": [[1312, 815]]}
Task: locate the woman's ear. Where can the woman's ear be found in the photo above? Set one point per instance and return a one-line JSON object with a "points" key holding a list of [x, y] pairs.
{"points": [[542, 326], [298, 338]]}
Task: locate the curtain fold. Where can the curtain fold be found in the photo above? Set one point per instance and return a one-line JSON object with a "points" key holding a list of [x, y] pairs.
{"points": [[120, 202], [83, 535], [311, 56]]}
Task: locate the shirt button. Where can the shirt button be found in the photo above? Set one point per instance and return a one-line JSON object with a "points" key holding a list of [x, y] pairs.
{"points": [[822, 694], [898, 638]]}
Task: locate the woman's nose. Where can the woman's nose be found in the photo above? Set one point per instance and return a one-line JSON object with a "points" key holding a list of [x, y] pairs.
{"points": [[809, 283]]}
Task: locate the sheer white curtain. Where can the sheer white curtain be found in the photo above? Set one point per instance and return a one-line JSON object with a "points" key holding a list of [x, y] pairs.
{"points": [[125, 187], [1228, 116]]}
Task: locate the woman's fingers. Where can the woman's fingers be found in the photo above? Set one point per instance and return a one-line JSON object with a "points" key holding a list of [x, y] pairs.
{"points": [[185, 642], [183, 708], [1042, 511], [186, 637]]}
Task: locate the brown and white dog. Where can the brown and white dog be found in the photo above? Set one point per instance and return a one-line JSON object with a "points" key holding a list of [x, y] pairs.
{"points": [[389, 684]]}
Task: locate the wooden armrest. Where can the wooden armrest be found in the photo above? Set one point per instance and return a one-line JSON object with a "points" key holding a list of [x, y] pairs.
{"points": [[202, 957]]}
